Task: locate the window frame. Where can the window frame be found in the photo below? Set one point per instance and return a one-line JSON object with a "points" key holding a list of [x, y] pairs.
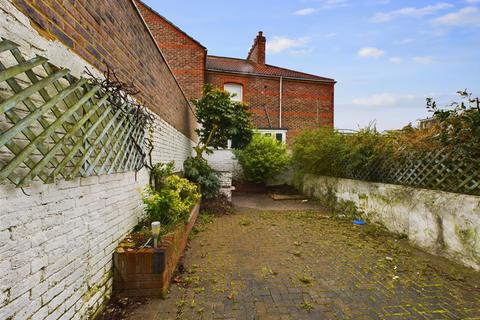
{"points": [[236, 98], [273, 133]]}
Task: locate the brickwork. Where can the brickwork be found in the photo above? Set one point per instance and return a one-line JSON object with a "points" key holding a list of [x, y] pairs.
{"points": [[185, 55], [257, 52], [56, 242], [259, 264], [304, 103], [147, 272], [114, 31]]}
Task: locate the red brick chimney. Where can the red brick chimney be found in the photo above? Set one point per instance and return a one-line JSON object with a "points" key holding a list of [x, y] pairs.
{"points": [[257, 52]]}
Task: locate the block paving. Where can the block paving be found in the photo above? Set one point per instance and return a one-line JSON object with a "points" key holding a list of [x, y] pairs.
{"points": [[258, 264]]}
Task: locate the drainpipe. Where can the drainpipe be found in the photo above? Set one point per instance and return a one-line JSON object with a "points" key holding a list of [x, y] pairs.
{"points": [[280, 103]]}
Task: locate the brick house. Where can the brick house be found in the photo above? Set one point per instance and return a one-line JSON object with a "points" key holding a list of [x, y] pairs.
{"points": [[283, 101], [185, 55]]}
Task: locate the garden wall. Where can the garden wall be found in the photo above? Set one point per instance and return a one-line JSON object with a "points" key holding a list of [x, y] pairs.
{"points": [[57, 240], [441, 223]]}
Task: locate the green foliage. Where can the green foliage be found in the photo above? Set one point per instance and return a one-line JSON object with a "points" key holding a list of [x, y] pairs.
{"points": [[459, 124], [198, 171], [172, 203], [441, 154], [320, 151], [262, 158], [364, 149], [220, 119], [158, 174]]}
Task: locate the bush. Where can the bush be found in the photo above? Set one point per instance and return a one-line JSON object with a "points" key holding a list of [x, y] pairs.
{"points": [[198, 171], [262, 158], [364, 149], [158, 174], [320, 151], [458, 124], [172, 203]]}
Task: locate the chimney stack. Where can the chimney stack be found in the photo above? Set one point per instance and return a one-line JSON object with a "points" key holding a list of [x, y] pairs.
{"points": [[257, 52]]}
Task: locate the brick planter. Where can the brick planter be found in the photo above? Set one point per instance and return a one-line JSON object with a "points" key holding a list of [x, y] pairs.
{"points": [[147, 272]]}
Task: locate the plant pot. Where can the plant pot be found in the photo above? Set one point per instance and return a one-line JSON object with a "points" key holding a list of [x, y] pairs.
{"points": [[147, 272]]}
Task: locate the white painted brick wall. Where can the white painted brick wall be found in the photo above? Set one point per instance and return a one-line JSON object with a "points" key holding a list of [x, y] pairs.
{"points": [[225, 183], [56, 244]]}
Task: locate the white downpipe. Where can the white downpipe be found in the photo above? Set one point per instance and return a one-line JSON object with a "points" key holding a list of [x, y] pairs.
{"points": [[280, 104]]}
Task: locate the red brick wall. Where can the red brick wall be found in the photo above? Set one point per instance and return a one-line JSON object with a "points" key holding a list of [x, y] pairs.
{"points": [[300, 101], [185, 56], [112, 30]]}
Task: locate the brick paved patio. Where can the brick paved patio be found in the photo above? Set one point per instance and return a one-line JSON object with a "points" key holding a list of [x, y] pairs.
{"points": [[304, 265]]}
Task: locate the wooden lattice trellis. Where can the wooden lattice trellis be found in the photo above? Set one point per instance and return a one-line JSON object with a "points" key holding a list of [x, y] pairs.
{"points": [[54, 125], [444, 169]]}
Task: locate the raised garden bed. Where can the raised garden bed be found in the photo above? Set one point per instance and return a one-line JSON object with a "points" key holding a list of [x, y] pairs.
{"points": [[141, 272]]}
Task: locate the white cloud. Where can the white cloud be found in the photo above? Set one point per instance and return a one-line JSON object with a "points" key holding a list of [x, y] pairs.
{"points": [[330, 35], [468, 16], [403, 41], [328, 4], [395, 60], [279, 44], [301, 52], [382, 100], [472, 1], [423, 59], [370, 52], [323, 5], [305, 12], [381, 17]]}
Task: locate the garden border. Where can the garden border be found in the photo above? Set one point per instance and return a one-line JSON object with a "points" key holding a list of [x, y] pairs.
{"points": [[147, 272]]}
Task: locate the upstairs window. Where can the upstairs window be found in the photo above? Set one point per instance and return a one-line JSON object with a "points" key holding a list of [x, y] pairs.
{"points": [[236, 89]]}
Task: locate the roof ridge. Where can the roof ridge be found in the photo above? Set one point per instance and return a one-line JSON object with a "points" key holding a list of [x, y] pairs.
{"points": [[305, 73], [308, 76], [171, 23]]}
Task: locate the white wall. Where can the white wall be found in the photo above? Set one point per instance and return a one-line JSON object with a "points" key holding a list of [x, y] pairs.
{"points": [[56, 244], [442, 223], [222, 160]]}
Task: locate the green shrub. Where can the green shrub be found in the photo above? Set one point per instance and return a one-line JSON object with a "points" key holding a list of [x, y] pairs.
{"points": [[364, 150], [262, 158], [198, 171], [172, 203], [320, 151], [158, 174]]}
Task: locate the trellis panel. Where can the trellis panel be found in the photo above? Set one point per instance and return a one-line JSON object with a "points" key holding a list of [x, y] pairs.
{"points": [[444, 169], [56, 126]]}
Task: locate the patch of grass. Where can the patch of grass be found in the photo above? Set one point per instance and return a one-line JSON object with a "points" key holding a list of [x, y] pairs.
{"points": [[204, 219], [297, 253], [305, 278], [245, 222], [181, 303], [267, 272], [307, 306], [191, 280], [199, 290]]}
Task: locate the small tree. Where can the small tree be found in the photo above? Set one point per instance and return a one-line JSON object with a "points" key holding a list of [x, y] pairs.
{"points": [[221, 119]]}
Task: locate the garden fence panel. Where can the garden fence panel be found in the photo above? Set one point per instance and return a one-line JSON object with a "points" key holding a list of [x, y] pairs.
{"points": [[56, 126], [444, 169]]}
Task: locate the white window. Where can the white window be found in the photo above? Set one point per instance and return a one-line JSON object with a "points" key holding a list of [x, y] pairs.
{"points": [[236, 89], [279, 134]]}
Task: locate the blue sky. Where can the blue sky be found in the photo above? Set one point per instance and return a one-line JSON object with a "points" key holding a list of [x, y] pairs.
{"points": [[386, 55]]}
